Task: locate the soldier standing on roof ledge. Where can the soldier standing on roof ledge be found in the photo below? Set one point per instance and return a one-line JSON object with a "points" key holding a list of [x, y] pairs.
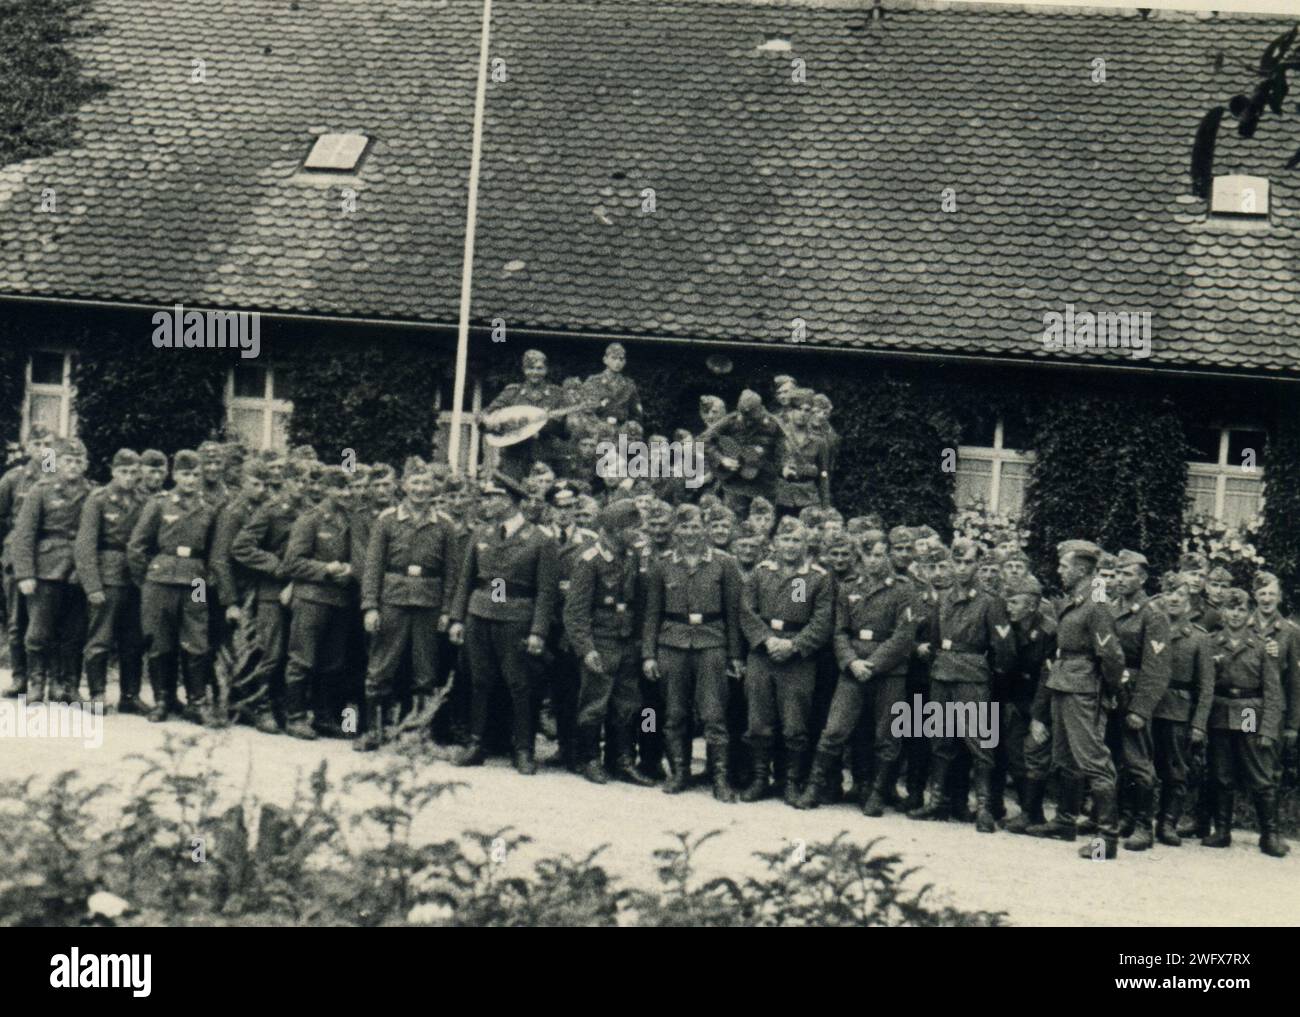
{"points": [[517, 459], [614, 394]]}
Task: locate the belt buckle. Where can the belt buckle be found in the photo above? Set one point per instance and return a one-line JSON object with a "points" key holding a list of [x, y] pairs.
{"points": [[695, 619], [778, 625], [414, 570], [620, 608], [866, 635], [182, 552], [564, 586], [608, 600], [946, 644]]}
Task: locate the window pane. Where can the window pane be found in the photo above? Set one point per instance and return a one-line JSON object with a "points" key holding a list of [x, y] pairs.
{"points": [[280, 431], [1015, 432], [1201, 491], [1240, 441], [47, 368], [247, 424], [250, 382], [978, 430], [1205, 444], [1242, 500], [442, 439], [974, 482], [281, 385], [44, 410], [1011, 492]]}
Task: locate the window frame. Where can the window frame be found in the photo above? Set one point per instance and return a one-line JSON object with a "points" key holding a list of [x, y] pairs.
{"points": [[1223, 470], [267, 405], [66, 390], [470, 419], [998, 455]]}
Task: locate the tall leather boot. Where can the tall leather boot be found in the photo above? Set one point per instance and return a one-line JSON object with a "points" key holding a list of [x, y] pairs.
{"points": [[37, 678], [761, 759], [196, 692], [1224, 802], [373, 736], [1171, 809], [587, 756], [1105, 802], [817, 791], [128, 678], [17, 664], [722, 789], [1143, 799], [997, 795], [1031, 806], [1064, 826], [797, 762], [939, 807], [1127, 796], [55, 692], [984, 819], [162, 681], [679, 761], [97, 677], [297, 718], [1270, 840], [625, 768], [874, 805]]}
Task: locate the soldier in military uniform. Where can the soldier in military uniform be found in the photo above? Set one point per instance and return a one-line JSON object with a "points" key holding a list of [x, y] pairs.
{"points": [[1191, 687], [259, 546], [17, 481], [654, 542], [1282, 642], [107, 519], [1026, 761], [750, 446], [805, 471], [600, 619], [571, 541], [167, 555], [503, 609], [1144, 636], [969, 636], [517, 459], [46, 573], [153, 472], [874, 635], [690, 636], [787, 613], [324, 563], [614, 394], [1089, 662], [1245, 723]]}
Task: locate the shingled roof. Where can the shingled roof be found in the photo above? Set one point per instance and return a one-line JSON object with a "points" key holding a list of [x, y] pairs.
{"points": [[774, 199]]}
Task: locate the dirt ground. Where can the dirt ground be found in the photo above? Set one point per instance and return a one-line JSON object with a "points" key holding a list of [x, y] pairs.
{"points": [[1035, 882]]}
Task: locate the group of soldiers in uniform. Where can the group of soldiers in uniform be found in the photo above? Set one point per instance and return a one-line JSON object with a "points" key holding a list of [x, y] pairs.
{"points": [[627, 617]]}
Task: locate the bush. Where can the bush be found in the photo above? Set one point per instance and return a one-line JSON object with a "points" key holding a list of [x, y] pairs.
{"points": [[1236, 548]]}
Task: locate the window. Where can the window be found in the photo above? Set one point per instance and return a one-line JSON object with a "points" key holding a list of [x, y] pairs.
{"points": [[469, 430], [1240, 197], [993, 465], [1225, 477], [48, 398], [336, 153], [258, 407]]}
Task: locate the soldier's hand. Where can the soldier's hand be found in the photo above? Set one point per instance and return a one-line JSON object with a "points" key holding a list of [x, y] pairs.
{"points": [[233, 613], [860, 670], [650, 669], [923, 649], [736, 668], [372, 621], [335, 568], [286, 595], [443, 621], [535, 646], [1266, 741], [1196, 736], [1289, 739], [1134, 722], [27, 587], [789, 472], [97, 599], [594, 663], [1038, 731]]}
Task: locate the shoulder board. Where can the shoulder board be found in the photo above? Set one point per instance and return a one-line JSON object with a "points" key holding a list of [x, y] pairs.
{"points": [[767, 563], [817, 568], [589, 553], [390, 511], [582, 531], [445, 517]]}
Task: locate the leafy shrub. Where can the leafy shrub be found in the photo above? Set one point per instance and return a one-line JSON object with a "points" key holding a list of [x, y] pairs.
{"points": [[1236, 548]]}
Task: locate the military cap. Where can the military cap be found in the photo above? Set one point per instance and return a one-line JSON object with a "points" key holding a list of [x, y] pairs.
{"points": [[1107, 562], [901, 535], [832, 515], [305, 469], [810, 515], [1219, 574], [687, 513], [1126, 557], [821, 401], [534, 358], [761, 506], [707, 501], [1193, 561], [618, 515], [615, 348], [72, 447], [333, 478], [1082, 548], [185, 459], [586, 503], [712, 402], [360, 471], [841, 539], [562, 495], [782, 381], [935, 553], [1236, 598], [964, 546], [1173, 580], [1014, 555], [305, 452], [1263, 580], [869, 538], [126, 457], [256, 469], [924, 532], [382, 471], [858, 524], [749, 400], [789, 526], [234, 452], [210, 451], [802, 397], [1025, 585], [659, 510], [152, 457]]}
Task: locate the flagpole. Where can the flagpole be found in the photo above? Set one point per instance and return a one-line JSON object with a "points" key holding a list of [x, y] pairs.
{"points": [[467, 268]]}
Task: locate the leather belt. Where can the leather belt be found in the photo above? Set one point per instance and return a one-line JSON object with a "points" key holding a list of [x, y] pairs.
{"points": [[693, 618], [512, 589]]}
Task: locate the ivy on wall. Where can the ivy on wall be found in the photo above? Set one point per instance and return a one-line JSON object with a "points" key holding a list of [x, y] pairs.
{"points": [[1279, 538]]}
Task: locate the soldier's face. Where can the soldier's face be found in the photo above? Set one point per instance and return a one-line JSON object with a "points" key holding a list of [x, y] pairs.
{"points": [[1195, 579], [1130, 580], [615, 362], [1070, 571], [763, 520], [797, 415], [710, 415], [720, 532], [989, 577], [789, 547], [214, 471], [253, 487], [382, 491], [783, 395], [418, 488], [585, 514], [942, 574], [964, 568], [875, 559], [659, 528], [1216, 590], [839, 558], [1021, 605], [820, 416], [690, 532], [901, 555], [125, 477], [831, 530], [1267, 598], [1107, 577], [1014, 569], [563, 516], [186, 481], [1234, 617], [1177, 602], [154, 477], [71, 466], [535, 372]]}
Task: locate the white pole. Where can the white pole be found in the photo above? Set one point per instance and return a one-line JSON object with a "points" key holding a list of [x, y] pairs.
{"points": [[467, 269]]}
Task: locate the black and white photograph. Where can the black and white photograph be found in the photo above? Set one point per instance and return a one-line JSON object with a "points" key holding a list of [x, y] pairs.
{"points": [[650, 463]]}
